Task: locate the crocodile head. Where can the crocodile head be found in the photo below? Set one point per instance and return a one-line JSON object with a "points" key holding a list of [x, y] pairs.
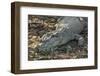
{"points": [[49, 41]]}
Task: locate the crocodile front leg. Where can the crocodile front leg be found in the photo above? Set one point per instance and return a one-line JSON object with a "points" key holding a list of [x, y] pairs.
{"points": [[80, 39]]}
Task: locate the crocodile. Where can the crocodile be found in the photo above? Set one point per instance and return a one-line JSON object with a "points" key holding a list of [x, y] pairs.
{"points": [[68, 28]]}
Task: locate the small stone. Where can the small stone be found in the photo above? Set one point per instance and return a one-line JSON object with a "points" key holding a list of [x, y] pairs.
{"points": [[32, 52]]}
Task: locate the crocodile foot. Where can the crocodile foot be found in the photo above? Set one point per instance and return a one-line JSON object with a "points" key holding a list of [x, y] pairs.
{"points": [[80, 39]]}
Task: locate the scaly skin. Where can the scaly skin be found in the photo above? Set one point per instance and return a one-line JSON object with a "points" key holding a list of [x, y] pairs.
{"points": [[67, 29]]}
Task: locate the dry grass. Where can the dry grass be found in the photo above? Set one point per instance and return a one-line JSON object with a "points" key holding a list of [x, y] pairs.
{"points": [[37, 28]]}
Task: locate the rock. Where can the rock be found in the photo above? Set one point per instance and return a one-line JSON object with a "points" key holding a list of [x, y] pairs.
{"points": [[69, 48]]}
